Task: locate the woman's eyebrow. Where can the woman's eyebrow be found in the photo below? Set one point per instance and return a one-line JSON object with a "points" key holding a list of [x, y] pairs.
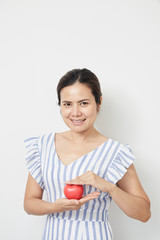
{"points": [[77, 101]]}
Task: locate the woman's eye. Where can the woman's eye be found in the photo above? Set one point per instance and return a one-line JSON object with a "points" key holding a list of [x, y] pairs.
{"points": [[84, 103], [67, 104]]}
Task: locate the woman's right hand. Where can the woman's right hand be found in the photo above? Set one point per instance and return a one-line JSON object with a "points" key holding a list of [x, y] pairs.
{"points": [[33, 203], [64, 204]]}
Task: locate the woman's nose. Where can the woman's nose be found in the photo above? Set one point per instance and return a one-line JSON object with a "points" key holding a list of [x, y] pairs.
{"points": [[75, 110]]}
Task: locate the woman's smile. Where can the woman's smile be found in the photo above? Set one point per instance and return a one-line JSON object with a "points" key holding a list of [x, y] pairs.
{"points": [[78, 122]]}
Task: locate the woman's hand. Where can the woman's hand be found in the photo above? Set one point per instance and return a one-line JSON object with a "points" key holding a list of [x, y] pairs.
{"points": [[93, 180], [64, 204]]}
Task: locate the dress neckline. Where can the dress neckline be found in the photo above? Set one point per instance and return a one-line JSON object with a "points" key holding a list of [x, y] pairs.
{"points": [[80, 156]]}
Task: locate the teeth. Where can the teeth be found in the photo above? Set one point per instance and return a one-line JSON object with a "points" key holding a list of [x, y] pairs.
{"points": [[78, 121]]}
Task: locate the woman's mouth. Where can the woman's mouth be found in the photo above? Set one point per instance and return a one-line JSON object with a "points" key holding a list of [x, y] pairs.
{"points": [[77, 122]]}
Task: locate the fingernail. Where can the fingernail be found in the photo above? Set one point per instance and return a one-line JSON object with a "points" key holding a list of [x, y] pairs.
{"points": [[96, 193]]}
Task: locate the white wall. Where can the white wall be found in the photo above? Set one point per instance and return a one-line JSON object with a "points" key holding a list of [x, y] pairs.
{"points": [[39, 42]]}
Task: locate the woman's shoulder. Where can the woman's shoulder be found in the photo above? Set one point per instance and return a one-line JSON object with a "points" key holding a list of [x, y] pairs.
{"points": [[102, 137], [43, 137], [62, 135]]}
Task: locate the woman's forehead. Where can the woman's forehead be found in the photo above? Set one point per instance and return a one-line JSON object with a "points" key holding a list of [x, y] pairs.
{"points": [[77, 91]]}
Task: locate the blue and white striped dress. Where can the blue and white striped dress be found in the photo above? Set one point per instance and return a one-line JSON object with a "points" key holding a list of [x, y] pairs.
{"points": [[110, 161]]}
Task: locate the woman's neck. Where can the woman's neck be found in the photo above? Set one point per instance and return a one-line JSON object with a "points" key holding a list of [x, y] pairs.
{"points": [[82, 137]]}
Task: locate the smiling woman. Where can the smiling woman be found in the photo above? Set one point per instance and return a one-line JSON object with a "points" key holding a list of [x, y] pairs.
{"points": [[78, 107], [81, 156]]}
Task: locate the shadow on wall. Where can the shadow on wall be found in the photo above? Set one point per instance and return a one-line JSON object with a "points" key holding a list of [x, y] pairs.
{"points": [[119, 117]]}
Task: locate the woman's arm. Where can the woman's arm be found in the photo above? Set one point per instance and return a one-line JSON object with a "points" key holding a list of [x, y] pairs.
{"points": [[128, 193], [33, 203], [130, 196]]}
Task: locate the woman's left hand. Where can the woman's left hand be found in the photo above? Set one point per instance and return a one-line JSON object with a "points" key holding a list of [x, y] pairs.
{"points": [[93, 180]]}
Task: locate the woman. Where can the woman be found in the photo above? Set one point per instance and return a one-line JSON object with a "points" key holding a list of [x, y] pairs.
{"points": [[82, 156]]}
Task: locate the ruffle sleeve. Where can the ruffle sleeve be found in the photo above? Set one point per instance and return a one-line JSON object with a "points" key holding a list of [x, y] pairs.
{"points": [[119, 165], [33, 160]]}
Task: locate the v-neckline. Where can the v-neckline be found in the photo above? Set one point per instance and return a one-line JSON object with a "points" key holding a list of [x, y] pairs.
{"points": [[80, 156]]}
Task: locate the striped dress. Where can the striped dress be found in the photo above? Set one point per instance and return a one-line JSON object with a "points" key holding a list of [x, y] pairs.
{"points": [[110, 161]]}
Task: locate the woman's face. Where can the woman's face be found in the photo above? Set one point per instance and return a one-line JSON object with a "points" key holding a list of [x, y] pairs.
{"points": [[78, 107]]}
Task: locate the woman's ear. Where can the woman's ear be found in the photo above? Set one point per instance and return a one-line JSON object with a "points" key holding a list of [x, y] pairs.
{"points": [[101, 99], [99, 105]]}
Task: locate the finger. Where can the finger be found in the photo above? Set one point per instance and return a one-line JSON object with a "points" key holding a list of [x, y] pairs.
{"points": [[78, 180], [74, 182], [96, 193], [90, 196], [87, 198]]}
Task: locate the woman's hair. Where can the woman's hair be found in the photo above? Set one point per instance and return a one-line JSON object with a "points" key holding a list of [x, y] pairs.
{"points": [[83, 76]]}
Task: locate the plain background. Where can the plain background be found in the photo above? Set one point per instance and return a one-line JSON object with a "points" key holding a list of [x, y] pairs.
{"points": [[39, 42]]}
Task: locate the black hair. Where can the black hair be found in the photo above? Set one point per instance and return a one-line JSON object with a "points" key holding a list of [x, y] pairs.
{"points": [[83, 76]]}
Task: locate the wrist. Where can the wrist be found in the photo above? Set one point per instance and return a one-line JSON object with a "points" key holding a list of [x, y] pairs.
{"points": [[106, 186], [112, 188], [54, 207]]}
